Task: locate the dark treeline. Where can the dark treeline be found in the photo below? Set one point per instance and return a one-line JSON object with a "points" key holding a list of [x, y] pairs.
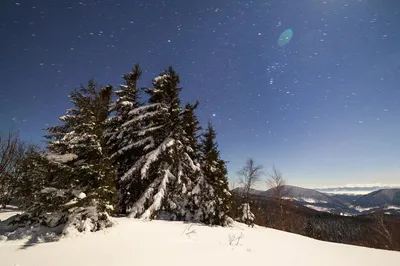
{"points": [[376, 230]]}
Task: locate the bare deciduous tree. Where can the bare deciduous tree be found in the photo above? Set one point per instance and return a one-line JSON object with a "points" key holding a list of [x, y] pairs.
{"points": [[277, 185], [12, 151], [232, 184], [381, 228], [249, 176]]}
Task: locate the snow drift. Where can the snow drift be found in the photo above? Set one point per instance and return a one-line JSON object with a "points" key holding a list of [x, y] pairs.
{"points": [[140, 242]]}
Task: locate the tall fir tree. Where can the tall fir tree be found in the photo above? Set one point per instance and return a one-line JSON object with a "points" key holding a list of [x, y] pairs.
{"points": [[122, 134], [191, 126], [165, 169], [215, 174], [198, 206], [78, 190]]}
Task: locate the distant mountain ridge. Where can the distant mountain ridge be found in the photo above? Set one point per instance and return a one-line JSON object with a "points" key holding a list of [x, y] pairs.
{"points": [[387, 200], [381, 197], [305, 195], [355, 190], [240, 190], [347, 199]]}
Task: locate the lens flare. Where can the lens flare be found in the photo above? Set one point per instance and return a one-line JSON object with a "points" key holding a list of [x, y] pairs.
{"points": [[285, 37]]}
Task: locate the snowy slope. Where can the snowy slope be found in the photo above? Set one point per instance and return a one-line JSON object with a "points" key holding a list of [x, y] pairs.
{"points": [[137, 242]]}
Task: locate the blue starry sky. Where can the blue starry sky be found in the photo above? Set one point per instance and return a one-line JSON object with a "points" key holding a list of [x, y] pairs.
{"points": [[324, 108]]}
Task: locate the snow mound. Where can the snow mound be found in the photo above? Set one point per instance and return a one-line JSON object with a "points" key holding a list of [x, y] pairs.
{"points": [[141, 242]]}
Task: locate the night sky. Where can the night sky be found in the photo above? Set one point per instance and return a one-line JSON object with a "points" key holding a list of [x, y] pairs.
{"points": [[324, 108]]}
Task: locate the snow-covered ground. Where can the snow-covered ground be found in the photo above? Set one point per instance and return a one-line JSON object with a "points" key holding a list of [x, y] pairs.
{"points": [[391, 207], [307, 200], [138, 242], [360, 209], [317, 208]]}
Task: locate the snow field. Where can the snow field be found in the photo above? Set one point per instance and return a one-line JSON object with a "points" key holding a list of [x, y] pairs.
{"points": [[141, 242]]}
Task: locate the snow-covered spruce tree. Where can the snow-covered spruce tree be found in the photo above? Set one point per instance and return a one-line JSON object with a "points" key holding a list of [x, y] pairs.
{"points": [[44, 176], [165, 169], [215, 174], [32, 175], [191, 126], [123, 139], [78, 192], [247, 216], [200, 204]]}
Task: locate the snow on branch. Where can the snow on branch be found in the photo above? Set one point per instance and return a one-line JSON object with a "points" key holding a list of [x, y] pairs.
{"points": [[139, 143], [65, 117], [138, 206], [126, 103], [61, 158], [147, 160], [153, 156], [147, 130], [191, 163], [156, 205], [160, 79], [133, 169], [141, 109], [140, 118]]}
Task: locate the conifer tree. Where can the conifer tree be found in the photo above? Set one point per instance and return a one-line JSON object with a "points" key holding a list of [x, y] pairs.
{"points": [[78, 189], [122, 134], [165, 169], [198, 205], [31, 176], [247, 216], [215, 174], [191, 126]]}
